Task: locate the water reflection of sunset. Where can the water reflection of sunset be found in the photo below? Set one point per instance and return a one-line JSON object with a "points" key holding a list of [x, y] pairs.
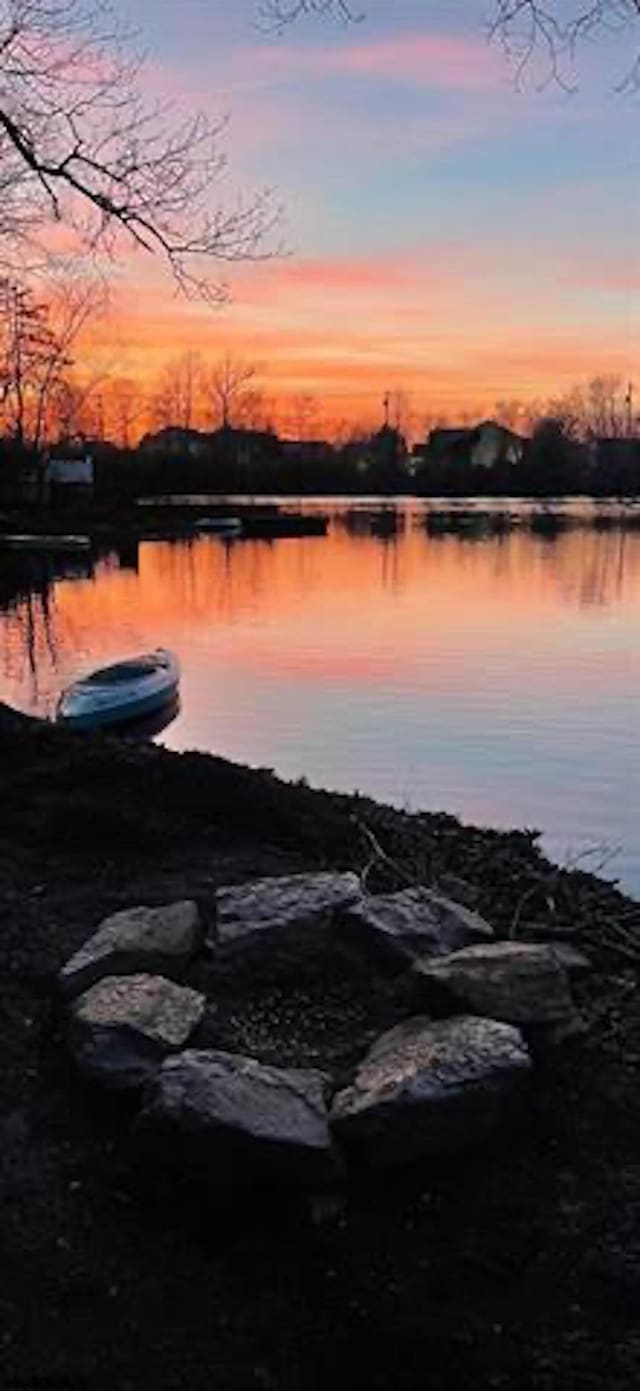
{"points": [[208, 577], [497, 678]]}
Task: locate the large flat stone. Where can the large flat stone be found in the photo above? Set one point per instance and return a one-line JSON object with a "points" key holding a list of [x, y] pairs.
{"points": [[414, 923], [429, 1088], [517, 982], [123, 1026], [269, 913], [229, 1119], [161, 940]]}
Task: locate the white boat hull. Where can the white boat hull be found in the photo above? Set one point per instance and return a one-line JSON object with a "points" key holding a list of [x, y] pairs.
{"points": [[121, 693]]}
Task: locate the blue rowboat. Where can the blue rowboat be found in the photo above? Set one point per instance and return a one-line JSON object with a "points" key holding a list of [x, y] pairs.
{"points": [[126, 691]]}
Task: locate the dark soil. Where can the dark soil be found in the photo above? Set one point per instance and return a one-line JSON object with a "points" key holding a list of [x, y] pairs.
{"points": [[516, 1267]]}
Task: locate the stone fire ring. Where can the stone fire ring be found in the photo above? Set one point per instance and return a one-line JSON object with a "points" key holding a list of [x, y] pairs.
{"points": [[426, 1088]]}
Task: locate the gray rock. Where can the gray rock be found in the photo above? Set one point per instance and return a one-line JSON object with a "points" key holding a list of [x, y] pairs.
{"points": [[160, 940], [571, 958], [272, 913], [429, 1088], [123, 1026], [452, 886], [413, 923], [229, 1119], [517, 982]]}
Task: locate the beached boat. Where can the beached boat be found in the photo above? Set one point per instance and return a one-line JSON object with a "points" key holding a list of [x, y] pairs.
{"points": [[143, 729], [17, 541], [126, 691]]}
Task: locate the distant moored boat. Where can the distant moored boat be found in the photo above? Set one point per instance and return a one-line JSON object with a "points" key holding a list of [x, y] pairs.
{"points": [[125, 691], [265, 525], [220, 526], [16, 541]]}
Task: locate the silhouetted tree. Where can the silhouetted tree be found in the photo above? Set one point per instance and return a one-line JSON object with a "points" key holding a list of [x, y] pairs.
{"points": [[304, 412], [226, 386], [127, 404], [72, 412], [177, 396], [30, 356], [36, 342], [551, 461]]}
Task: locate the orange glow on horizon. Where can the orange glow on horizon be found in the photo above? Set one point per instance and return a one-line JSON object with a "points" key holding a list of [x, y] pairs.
{"points": [[345, 330]]}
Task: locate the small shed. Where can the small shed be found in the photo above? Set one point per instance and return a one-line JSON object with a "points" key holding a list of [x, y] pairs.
{"points": [[70, 480]]}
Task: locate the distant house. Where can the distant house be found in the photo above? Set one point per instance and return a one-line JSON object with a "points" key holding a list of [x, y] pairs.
{"points": [[240, 442], [37, 479], [68, 479], [495, 444], [480, 446], [306, 451], [239, 445], [70, 473], [176, 442]]}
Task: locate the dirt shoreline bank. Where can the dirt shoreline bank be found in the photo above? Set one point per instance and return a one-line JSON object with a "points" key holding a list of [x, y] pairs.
{"points": [[518, 1267]]}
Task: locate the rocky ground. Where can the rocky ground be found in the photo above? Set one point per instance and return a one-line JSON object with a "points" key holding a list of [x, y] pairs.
{"points": [[517, 1266]]}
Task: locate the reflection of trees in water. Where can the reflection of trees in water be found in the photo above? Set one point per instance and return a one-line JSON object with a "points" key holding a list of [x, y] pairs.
{"points": [[383, 521], [390, 574], [589, 564], [30, 626], [602, 578], [590, 567], [211, 576], [28, 638], [386, 525]]}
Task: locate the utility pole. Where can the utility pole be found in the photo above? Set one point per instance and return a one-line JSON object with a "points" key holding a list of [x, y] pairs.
{"points": [[386, 403], [628, 400]]}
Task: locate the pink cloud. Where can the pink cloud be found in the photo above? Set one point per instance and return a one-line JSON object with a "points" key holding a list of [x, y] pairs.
{"points": [[339, 273], [607, 273], [429, 59], [436, 60]]}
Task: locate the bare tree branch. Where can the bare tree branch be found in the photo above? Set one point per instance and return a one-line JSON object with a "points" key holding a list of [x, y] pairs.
{"points": [[554, 31], [528, 30], [277, 14], [81, 145]]}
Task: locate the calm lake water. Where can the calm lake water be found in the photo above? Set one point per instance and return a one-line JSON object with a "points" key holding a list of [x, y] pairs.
{"points": [[486, 672]]}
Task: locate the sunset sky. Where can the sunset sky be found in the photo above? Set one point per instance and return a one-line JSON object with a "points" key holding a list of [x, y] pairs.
{"points": [[448, 235]]}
